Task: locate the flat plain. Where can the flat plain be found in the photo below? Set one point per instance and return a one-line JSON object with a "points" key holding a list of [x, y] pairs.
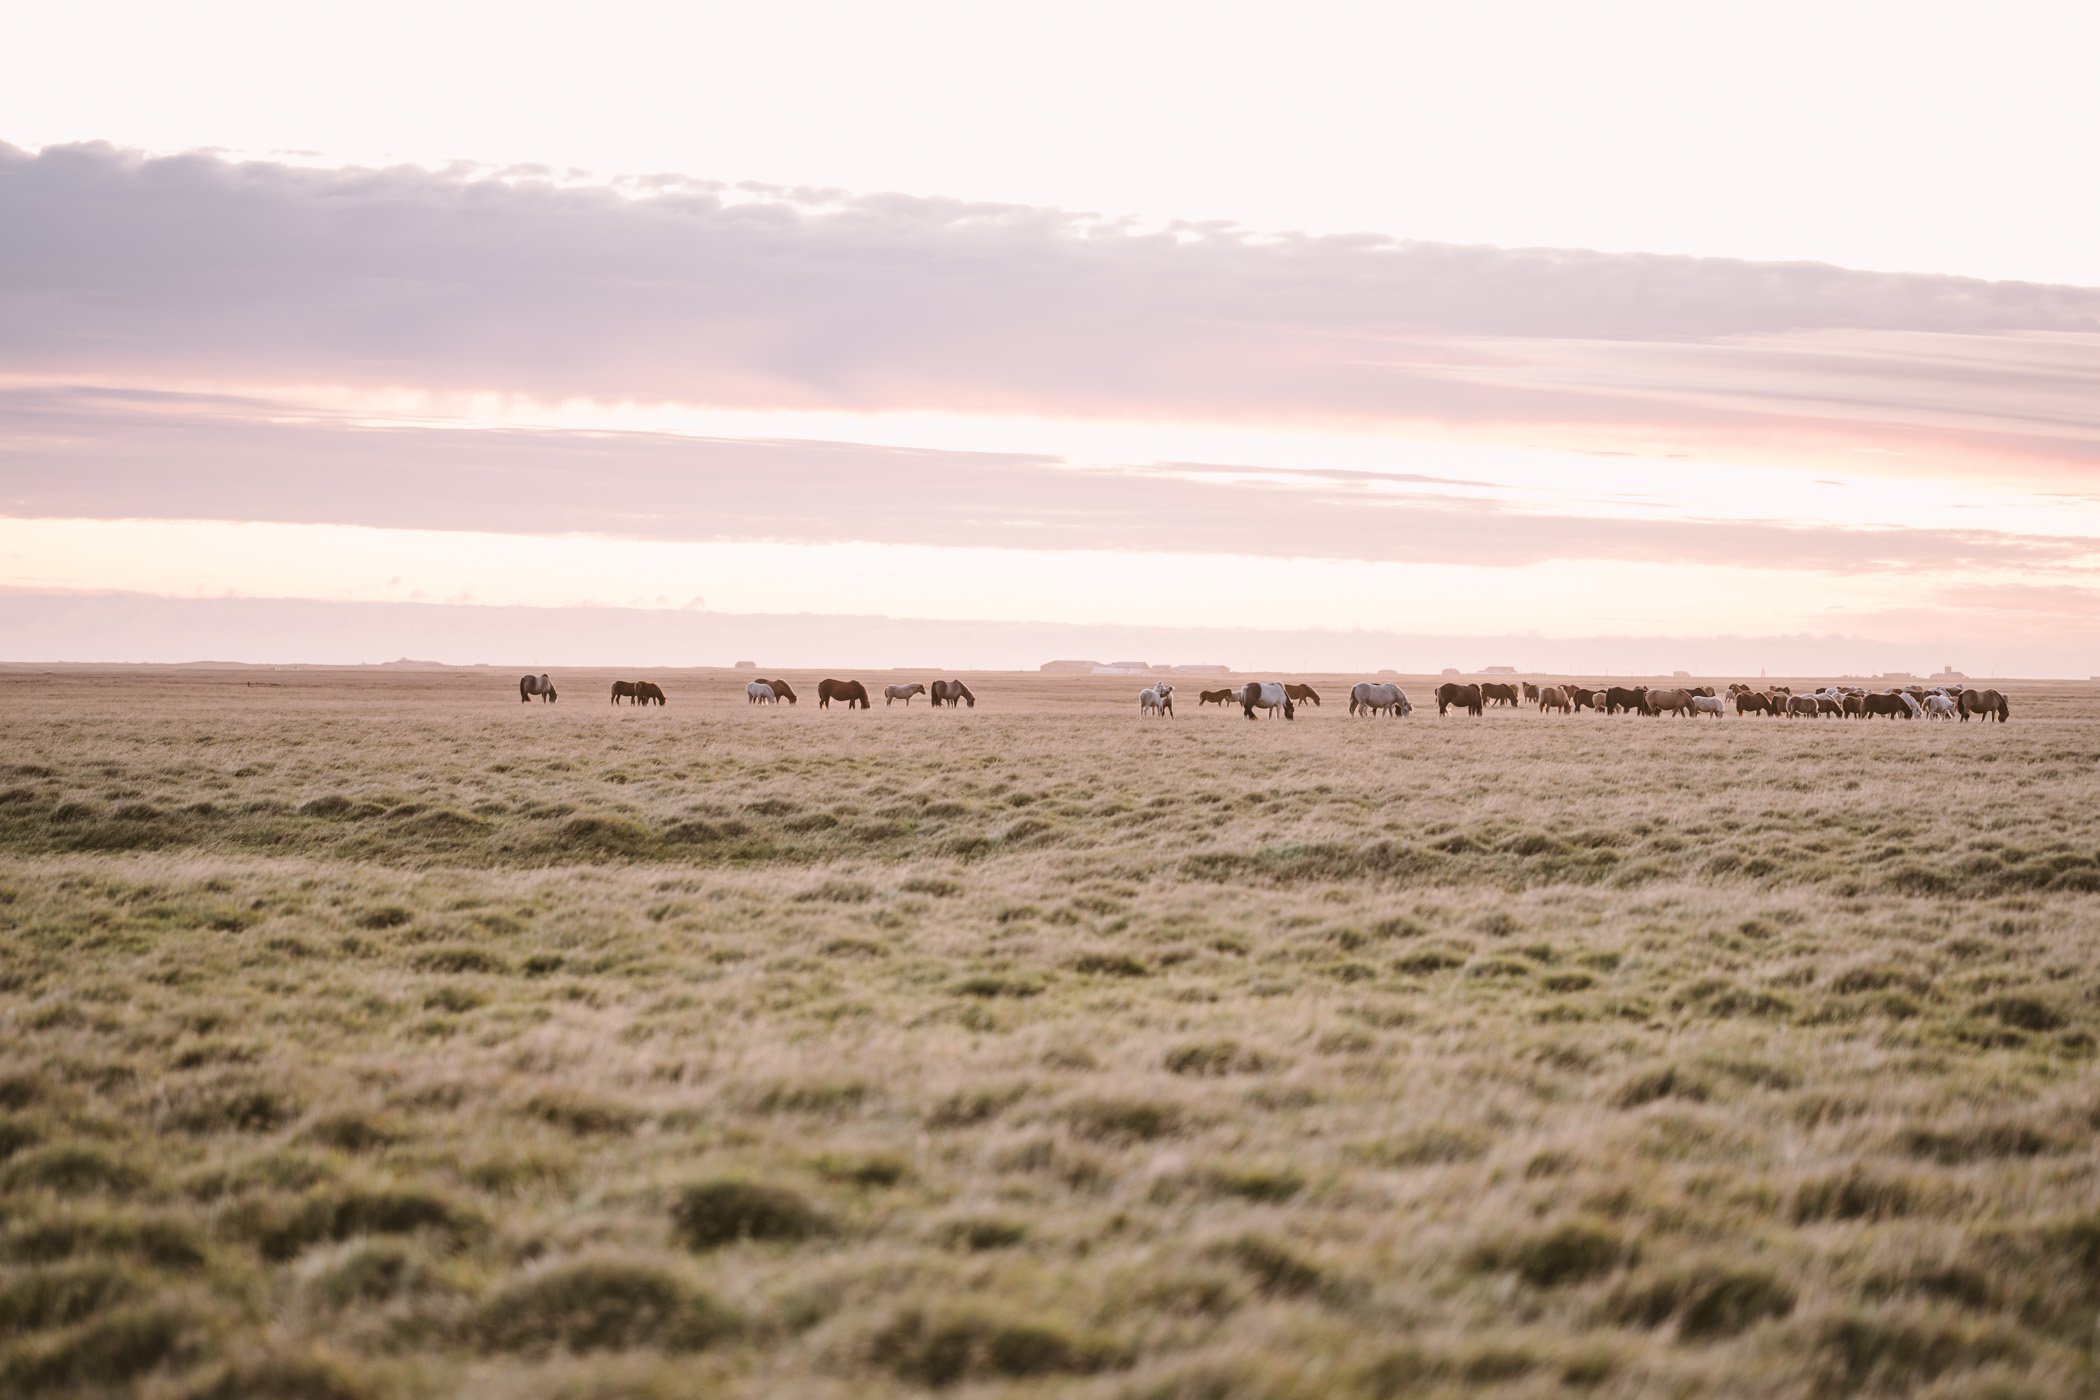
{"points": [[369, 1033]]}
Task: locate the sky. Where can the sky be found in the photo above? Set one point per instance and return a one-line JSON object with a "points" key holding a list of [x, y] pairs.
{"points": [[1636, 338]]}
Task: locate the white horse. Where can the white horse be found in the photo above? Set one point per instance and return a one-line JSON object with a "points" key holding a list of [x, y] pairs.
{"points": [[529, 686], [1367, 698], [1709, 705], [1159, 700], [892, 693], [759, 693], [1267, 695], [1938, 706]]}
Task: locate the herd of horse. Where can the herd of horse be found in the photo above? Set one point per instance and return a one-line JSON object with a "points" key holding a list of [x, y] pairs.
{"points": [[1382, 698]]}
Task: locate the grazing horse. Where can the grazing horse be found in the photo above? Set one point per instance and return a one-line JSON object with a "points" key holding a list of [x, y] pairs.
{"points": [[1797, 705], [1496, 693], [893, 693], [782, 689], [1709, 705], [1581, 697], [1301, 694], [1620, 697], [852, 692], [1370, 698], [1465, 697], [1157, 700], [1553, 697], [626, 690], [1749, 702], [529, 686], [759, 693], [1220, 698], [1675, 702], [1267, 695], [1894, 706], [1939, 706], [649, 693], [948, 692], [1531, 691], [1987, 703]]}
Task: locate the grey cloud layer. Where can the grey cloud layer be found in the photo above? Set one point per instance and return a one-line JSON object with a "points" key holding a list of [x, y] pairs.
{"points": [[258, 272], [101, 455]]}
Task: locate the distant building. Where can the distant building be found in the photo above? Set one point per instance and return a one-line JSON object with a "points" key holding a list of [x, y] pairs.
{"points": [[1070, 668], [1201, 670], [1895, 676], [1682, 675], [1948, 673], [1131, 665], [1498, 670], [1123, 668], [747, 666], [1451, 670]]}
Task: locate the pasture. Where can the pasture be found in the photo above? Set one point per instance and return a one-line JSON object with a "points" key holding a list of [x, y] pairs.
{"points": [[373, 1034]]}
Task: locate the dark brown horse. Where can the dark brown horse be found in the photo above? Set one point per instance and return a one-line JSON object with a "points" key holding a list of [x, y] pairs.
{"points": [[529, 686], [1465, 697], [1581, 696], [1531, 690], [1301, 694], [852, 692], [1798, 705], [1893, 705], [1219, 698], [1496, 693], [649, 693], [1987, 703], [625, 690], [782, 689], [1620, 697], [1749, 702], [948, 692]]}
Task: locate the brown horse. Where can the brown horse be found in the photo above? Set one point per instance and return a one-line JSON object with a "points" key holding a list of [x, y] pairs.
{"points": [[1620, 697], [625, 690], [1496, 693], [649, 693], [852, 692], [782, 689], [1301, 694], [1892, 704], [1749, 702], [1797, 705], [1531, 691], [1667, 702], [529, 686], [1580, 697], [1220, 698], [1552, 697], [1987, 703], [1465, 697], [949, 692]]}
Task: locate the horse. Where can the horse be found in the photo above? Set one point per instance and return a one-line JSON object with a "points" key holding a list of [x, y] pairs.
{"points": [[852, 692], [1939, 706], [948, 692], [1803, 705], [627, 690], [1496, 693], [782, 689], [1830, 705], [1749, 702], [1619, 697], [1675, 702], [1892, 705], [1531, 691], [1369, 698], [649, 692], [1709, 705], [1220, 698], [894, 693], [1466, 697], [1580, 697], [529, 686], [1157, 700], [1301, 694], [1987, 703], [1552, 697], [1267, 695], [759, 693]]}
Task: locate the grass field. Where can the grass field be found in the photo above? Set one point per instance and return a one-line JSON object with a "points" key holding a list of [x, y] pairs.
{"points": [[372, 1034]]}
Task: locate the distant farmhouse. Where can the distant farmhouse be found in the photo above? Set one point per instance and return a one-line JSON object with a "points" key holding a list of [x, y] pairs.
{"points": [[746, 666], [1509, 671], [1948, 673]]}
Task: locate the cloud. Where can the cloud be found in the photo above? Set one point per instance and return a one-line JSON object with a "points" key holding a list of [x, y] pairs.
{"points": [[210, 270], [104, 456]]}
